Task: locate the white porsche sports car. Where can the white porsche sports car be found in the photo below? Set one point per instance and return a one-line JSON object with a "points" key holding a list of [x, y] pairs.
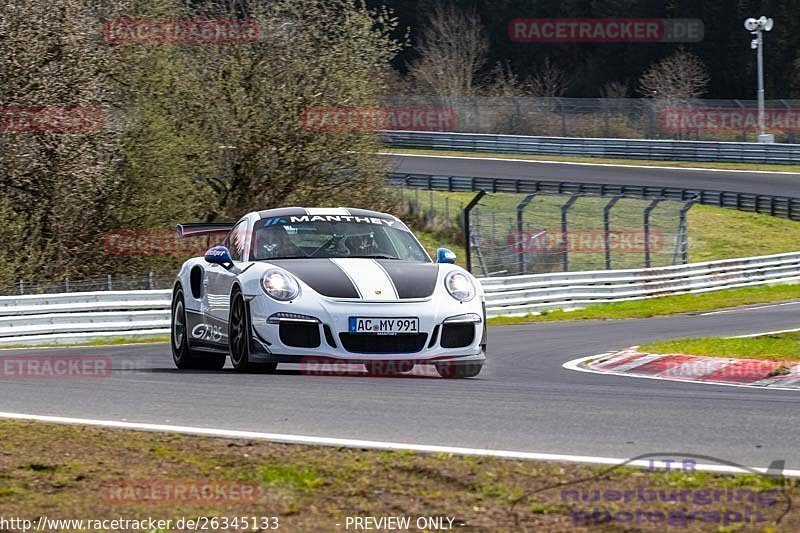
{"points": [[295, 284]]}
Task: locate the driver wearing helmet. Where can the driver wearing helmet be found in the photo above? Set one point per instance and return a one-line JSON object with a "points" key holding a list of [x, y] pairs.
{"points": [[274, 243]]}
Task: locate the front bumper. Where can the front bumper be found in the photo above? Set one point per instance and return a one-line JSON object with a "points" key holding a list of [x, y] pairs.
{"points": [[329, 338]]}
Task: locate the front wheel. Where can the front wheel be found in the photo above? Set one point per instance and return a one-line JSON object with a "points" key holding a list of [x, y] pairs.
{"points": [[239, 338], [454, 371], [182, 355]]}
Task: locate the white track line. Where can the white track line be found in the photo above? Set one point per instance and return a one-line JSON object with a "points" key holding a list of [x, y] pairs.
{"points": [[764, 333], [743, 309], [578, 366], [580, 163], [370, 444]]}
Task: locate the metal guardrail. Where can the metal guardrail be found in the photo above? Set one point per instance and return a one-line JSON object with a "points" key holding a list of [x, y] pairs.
{"points": [[740, 152], [71, 317], [82, 316], [518, 295], [779, 206]]}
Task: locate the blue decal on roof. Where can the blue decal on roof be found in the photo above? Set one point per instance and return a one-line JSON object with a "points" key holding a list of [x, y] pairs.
{"points": [[273, 221]]}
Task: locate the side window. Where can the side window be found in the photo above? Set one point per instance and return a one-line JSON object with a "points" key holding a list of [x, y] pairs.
{"points": [[235, 240]]}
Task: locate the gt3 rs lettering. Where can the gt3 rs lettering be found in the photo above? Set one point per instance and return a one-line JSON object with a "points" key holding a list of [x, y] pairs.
{"points": [[207, 332]]}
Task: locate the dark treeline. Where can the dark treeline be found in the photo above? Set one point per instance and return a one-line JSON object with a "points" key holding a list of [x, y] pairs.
{"points": [[588, 67]]}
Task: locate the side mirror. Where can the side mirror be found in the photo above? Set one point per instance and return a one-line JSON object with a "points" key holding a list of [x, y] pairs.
{"points": [[443, 255], [219, 255]]}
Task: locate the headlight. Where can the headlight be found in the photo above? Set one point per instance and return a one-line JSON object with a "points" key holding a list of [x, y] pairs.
{"points": [[459, 286], [280, 285]]}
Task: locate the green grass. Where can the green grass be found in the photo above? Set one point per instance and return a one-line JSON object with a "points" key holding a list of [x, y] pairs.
{"points": [[111, 341], [289, 476], [432, 241], [780, 347], [717, 233], [605, 160], [63, 470], [684, 303]]}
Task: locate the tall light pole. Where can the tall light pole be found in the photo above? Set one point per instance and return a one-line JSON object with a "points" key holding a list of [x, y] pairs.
{"points": [[757, 27]]}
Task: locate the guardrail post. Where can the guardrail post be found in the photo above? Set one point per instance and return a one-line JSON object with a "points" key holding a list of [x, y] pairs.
{"points": [[467, 244], [564, 242], [647, 211], [520, 228], [150, 280], [21, 287], [607, 229], [108, 281], [66, 284]]}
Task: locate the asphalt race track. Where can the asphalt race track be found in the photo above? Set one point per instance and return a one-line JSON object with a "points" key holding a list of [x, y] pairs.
{"points": [[523, 401], [775, 183]]}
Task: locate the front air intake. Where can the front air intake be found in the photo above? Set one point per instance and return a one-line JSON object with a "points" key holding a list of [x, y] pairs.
{"points": [[299, 334]]}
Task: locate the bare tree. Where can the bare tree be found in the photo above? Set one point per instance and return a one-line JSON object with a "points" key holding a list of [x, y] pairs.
{"points": [[681, 76], [57, 186], [205, 132], [614, 89], [550, 81], [504, 81], [452, 49]]}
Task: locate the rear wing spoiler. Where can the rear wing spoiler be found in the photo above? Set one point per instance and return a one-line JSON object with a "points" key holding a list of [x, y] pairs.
{"points": [[192, 229]]}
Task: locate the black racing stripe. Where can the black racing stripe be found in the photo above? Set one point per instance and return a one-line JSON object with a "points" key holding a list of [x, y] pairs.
{"points": [[322, 275], [411, 279]]}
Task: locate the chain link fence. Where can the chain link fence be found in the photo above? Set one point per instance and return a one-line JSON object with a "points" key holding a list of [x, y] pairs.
{"points": [[511, 234], [529, 234], [623, 118]]}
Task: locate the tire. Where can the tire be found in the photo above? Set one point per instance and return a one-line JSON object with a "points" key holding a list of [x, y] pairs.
{"points": [[239, 338], [462, 371], [183, 357], [388, 368]]}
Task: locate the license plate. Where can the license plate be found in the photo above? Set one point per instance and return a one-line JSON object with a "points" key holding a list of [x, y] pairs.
{"points": [[383, 326]]}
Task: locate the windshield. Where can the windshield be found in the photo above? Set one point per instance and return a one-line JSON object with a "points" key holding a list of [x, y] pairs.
{"points": [[300, 237]]}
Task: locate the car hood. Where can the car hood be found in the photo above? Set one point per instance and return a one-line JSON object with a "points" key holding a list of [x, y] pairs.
{"points": [[368, 279]]}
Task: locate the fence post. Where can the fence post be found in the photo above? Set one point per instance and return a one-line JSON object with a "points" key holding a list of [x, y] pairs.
{"points": [[683, 233], [467, 245], [520, 228], [607, 229], [647, 211], [564, 242]]}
